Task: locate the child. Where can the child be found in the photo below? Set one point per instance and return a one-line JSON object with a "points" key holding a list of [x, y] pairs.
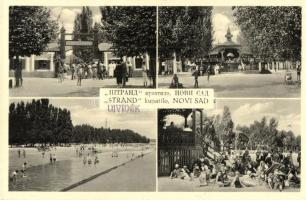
{"points": [[175, 82], [204, 176], [176, 172], [236, 181], [196, 171], [14, 176]]}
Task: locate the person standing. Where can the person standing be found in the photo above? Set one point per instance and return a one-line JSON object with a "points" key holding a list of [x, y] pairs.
{"points": [[79, 74], [18, 73], [299, 159], [99, 71], [125, 74], [54, 158], [118, 74], [72, 68], [103, 74], [174, 82], [298, 72], [24, 168], [89, 70], [196, 75], [111, 69], [144, 74], [130, 67], [19, 153], [51, 159], [14, 176], [208, 72], [24, 153], [60, 73]]}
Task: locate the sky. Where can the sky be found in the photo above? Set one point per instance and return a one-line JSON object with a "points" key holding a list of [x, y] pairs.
{"points": [[87, 111], [67, 15], [245, 112], [222, 19]]}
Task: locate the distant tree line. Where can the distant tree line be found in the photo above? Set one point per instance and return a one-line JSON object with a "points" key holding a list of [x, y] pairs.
{"points": [[40, 122], [219, 132], [264, 133]]}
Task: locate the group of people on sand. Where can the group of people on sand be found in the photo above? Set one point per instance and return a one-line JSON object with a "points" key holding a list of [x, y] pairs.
{"points": [[274, 169]]}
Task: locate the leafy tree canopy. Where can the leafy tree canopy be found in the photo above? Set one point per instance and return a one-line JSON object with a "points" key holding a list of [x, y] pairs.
{"points": [[131, 30], [31, 28], [272, 32]]}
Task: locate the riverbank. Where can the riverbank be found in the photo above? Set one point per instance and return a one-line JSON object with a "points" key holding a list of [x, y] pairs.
{"points": [[69, 167]]}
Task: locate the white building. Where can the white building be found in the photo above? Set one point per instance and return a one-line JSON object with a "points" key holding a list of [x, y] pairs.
{"points": [[44, 66]]}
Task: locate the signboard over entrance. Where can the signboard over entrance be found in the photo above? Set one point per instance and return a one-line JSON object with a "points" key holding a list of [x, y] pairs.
{"points": [[78, 43]]}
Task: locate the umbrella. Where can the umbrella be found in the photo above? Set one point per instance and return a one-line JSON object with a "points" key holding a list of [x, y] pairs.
{"points": [[272, 168]]}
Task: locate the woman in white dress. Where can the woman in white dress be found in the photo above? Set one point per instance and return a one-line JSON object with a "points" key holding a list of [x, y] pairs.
{"points": [[144, 74], [111, 69]]}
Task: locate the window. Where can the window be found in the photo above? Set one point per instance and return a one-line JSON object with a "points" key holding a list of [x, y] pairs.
{"points": [[42, 65], [138, 63]]}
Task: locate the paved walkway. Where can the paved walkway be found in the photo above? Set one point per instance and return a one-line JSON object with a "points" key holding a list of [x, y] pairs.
{"points": [[240, 84], [137, 175], [50, 87]]}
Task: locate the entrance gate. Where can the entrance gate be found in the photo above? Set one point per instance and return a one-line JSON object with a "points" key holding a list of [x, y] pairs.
{"points": [[94, 43]]}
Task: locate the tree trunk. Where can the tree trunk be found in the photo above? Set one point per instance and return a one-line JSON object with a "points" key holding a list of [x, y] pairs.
{"points": [[18, 73]]}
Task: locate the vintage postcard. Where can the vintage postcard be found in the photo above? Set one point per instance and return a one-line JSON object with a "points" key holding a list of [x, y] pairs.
{"points": [[152, 99]]}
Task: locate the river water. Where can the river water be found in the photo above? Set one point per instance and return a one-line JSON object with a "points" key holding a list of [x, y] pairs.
{"points": [[63, 173]]}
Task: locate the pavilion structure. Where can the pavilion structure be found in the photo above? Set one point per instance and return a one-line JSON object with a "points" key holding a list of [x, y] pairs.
{"points": [[228, 54], [178, 146]]}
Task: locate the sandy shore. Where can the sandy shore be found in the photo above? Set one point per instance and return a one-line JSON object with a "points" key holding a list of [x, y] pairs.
{"points": [[167, 184], [138, 175]]}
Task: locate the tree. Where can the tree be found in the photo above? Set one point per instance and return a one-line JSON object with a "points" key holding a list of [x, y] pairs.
{"points": [[30, 30], [39, 122], [83, 30], [272, 32], [186, 31], [266, 133], [132, 31]]}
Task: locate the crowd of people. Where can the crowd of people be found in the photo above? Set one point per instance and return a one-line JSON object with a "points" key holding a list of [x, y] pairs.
{"points": [[121, 70], [275, 169]]}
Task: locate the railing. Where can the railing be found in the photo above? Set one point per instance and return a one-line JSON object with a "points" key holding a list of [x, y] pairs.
{"points": [[182, 138]]}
